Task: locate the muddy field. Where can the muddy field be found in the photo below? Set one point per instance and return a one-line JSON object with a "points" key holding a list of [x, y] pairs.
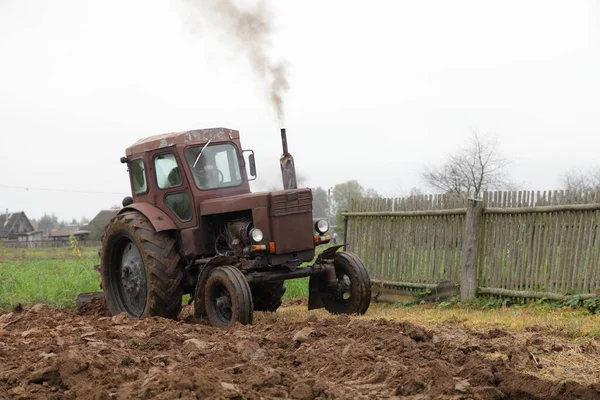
{"points": [[68, 354]]}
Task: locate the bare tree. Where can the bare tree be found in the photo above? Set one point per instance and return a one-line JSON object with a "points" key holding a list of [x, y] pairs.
{"points": [[472, 170], [582, 180]]}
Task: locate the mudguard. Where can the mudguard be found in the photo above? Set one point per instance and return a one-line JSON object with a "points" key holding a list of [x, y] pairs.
{"points": [[314, 289], [158, 218], [329, 252]]}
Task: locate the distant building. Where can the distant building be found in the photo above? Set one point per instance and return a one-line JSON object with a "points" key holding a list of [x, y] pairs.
{"points": [[17, 227], [63, 235], [97, 224]]}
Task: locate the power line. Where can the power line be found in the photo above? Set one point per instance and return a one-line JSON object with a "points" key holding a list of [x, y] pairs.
{"points": [[57, 190]]}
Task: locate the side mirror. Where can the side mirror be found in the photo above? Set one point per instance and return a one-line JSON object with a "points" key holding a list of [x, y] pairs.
{"points": [[251, 164]]}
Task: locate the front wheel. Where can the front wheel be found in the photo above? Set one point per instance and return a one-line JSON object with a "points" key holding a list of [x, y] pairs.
{"points": [[227, 297], [352, 294]]}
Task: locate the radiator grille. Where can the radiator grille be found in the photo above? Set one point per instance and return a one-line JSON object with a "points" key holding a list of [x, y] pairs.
{"points": [[288, 203]]}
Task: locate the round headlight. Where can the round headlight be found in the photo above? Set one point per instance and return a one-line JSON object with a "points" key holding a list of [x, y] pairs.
{"points": [[256, 235], [322, 226]]}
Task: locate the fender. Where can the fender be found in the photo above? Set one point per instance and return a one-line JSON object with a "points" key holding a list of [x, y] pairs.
{"points": [[330, 252], [158, 218], [314, 283]]}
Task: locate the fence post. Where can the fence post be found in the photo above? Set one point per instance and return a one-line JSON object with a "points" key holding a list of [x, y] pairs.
{"points": [[468, 282], [345, 230]]}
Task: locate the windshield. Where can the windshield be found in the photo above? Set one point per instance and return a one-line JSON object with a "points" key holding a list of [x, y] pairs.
{"points": [[217, 167]]}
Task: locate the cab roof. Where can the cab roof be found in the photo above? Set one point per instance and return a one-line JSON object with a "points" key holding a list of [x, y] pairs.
{"points": [[196, 136]]}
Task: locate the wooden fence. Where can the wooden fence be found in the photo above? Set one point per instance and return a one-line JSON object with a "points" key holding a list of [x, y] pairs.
{"points": [[525, 244]]}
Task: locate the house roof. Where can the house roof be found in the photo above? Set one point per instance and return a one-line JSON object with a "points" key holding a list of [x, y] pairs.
{"points": [[102, 218], [8, 221]]}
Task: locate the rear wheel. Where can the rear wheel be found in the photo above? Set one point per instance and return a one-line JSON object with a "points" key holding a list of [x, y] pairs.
{"points": [[139, 268], [227, 297], [267, 296], [352, 294]]}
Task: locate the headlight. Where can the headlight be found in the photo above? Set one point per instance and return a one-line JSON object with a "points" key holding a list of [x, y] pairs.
{"points": [[322, 226], [256, 235]]}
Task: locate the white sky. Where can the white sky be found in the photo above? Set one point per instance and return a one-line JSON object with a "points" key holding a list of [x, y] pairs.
{"points": [[379, 89]]}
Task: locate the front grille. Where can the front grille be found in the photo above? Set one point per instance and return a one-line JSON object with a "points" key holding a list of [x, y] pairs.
{"points": [[291, 202]]}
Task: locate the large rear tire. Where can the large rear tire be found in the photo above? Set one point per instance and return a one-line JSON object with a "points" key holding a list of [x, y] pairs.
{"points": [[139, 268], [227, 297], [267, 296], [353, 292]]}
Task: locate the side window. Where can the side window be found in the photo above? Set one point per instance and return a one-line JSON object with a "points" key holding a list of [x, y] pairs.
{"points": [[137, 174], [180, 204], [168, 174]]}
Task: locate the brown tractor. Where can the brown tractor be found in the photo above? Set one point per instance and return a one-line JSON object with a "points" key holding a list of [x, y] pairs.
{"points": [[192, 226]]}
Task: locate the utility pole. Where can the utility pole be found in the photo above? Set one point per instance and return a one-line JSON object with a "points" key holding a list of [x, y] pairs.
{"points": [[329, 206]]}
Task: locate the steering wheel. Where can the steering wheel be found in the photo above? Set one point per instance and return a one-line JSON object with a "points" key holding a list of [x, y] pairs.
{"points": [[206, 177]]}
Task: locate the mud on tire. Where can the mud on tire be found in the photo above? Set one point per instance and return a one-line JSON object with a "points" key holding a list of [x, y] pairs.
{"points": [[267, 296], [139, 268]]}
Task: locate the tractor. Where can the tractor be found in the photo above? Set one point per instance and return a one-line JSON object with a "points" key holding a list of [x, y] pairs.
{"points": [[192, 226]]}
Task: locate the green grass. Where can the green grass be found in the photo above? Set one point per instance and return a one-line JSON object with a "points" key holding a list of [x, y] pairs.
{"points": [[299, 287], [53, 276], [296, 288]]}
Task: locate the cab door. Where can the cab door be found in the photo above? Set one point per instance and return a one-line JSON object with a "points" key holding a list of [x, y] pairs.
{"points": [[173, 194]]}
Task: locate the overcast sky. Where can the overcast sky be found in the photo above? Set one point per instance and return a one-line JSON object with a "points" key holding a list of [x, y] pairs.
{"points": [[378, 90]]}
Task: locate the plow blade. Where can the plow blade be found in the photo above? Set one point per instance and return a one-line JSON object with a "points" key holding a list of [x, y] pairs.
{"points": [[85, 298]]}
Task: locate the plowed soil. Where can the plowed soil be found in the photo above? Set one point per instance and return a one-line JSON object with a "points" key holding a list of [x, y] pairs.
{"points": [[67, 354]]}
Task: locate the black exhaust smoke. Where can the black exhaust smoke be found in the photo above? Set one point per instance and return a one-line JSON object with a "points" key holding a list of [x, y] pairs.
{"points": [[288, 171]]}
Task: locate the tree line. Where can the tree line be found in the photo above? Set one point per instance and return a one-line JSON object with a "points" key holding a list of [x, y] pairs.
{"points": [[50, 221]]}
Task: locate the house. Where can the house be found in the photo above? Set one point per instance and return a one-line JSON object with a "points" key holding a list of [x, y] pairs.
{"points": [[34, 236], [97, 224], [17, 227], [64, 235]]}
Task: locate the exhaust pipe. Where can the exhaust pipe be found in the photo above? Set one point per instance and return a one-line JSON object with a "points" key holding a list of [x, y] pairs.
{"points": [[288, 171]]}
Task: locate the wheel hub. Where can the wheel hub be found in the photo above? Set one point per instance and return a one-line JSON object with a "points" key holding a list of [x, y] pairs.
{"points": [[344, 287], [223, 304], [133, 279]]}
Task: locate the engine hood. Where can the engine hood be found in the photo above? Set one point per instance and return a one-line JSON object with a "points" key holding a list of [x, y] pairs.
{"points": [[248, 201]]}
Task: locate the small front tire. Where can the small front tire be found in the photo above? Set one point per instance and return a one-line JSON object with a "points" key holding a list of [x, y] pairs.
{"points": [[227, 297], [353, 292]]}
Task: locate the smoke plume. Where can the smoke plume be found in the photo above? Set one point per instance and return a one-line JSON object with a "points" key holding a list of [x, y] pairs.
{"points": [[250, 30]]}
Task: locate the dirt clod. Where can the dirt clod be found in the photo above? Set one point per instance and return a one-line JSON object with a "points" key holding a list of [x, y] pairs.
{"points": [[303, 334], [38, 308]]}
